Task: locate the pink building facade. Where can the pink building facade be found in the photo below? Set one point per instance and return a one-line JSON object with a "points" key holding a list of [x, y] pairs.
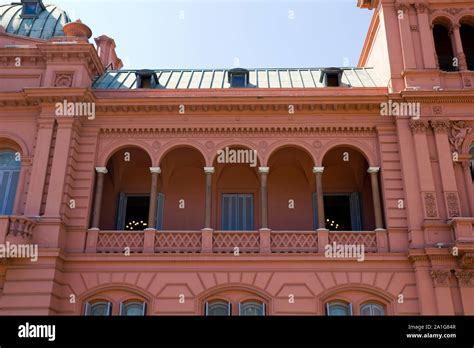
{"points": [[339, 191]]}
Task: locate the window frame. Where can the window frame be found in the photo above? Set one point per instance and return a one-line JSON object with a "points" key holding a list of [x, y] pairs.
{"points": [[207, 303], [372, 305], [336, 302], [129, 302], [88, 308]]}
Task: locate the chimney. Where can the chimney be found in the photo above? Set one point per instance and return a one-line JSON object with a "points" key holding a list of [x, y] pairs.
{"points": [[106, 51]]}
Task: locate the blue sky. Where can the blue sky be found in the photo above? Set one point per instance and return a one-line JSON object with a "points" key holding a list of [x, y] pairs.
{"points": [[227, 33]]}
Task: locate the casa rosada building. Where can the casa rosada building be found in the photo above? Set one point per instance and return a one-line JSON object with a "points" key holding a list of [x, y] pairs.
{"points": [[334, 191]]}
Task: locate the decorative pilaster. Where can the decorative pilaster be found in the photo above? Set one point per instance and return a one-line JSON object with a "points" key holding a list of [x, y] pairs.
{"points": [[425, 174], [427, 46], [443, 294], [466, 288], [446, 163], [405, 36], [440, 278]]}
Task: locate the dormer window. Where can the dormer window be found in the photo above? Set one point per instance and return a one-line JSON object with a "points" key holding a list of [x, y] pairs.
{"points": [[238, 78], [32, 8], [332, 77], [147, 79]]}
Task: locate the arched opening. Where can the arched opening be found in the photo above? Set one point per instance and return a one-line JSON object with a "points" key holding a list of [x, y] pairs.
{"points": [[182, 190], [348, 202], [443, 46], [236, 189], [467, 37], [290, 190], [235, 302], [10, 165], [126, 191]]}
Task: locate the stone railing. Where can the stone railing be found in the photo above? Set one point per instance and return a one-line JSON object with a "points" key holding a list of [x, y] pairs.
{"points": [[16, 229], [227, 242], [117, 242], [294, 242], [232, 241], [368, 239]]}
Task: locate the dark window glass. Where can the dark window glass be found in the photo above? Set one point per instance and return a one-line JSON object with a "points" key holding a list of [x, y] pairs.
{"points": [[444, 48]]}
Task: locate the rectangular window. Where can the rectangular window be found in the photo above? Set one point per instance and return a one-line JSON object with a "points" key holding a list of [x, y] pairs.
{"points": [[237, 212], [342, 211]]}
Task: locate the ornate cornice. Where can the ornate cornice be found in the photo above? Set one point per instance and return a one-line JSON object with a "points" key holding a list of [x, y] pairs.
{"points": [[235, 131]]}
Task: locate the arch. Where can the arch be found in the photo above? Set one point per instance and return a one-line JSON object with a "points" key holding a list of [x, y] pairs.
{"points": [[99, 290], [373, 294], [468, 143], [173, 145], [235, 287], [465, 18], [14, 143], [297, 144], [361, 147], [106, 154], [237, 144], [443, 18]]}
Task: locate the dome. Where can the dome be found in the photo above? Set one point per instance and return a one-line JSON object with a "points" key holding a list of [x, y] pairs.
{"points": [[46, 23]]}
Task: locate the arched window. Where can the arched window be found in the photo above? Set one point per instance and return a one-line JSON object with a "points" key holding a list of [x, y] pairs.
{"points": [[252, 308], [444, 48], [372, 309], [218, 308], [467, 38], [133, 308], [99, 308], [9, 174], [338, 309]]}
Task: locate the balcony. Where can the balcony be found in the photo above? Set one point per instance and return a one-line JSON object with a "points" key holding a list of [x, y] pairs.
{"points": [[16, 230], [228, 242]]}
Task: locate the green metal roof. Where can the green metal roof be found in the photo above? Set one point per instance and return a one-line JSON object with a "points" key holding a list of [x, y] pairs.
{"points": [[259, 78], [48, 24]]}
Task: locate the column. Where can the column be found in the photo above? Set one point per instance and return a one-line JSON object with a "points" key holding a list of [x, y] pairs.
{"points": [[446, 163], [458, 49], [318, 172], [40, 167], [155, 171], [264, 196], [427, 45], [101, 171], [466, 168], [374, 179], [207, 221]]}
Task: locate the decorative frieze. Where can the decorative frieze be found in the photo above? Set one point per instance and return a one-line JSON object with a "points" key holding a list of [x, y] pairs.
{"points": [[452, 204], [63, 79], [431, 207]]}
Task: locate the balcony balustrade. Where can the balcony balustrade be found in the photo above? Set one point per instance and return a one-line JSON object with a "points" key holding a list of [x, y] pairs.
{"points": [[16, 230], [228, 242]]}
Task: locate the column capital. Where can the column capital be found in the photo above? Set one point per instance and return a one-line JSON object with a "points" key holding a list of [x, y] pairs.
{"points": [[155, 170], [373, 170], [101, 170], [209, 170], [263, 170], [318, 170]]}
